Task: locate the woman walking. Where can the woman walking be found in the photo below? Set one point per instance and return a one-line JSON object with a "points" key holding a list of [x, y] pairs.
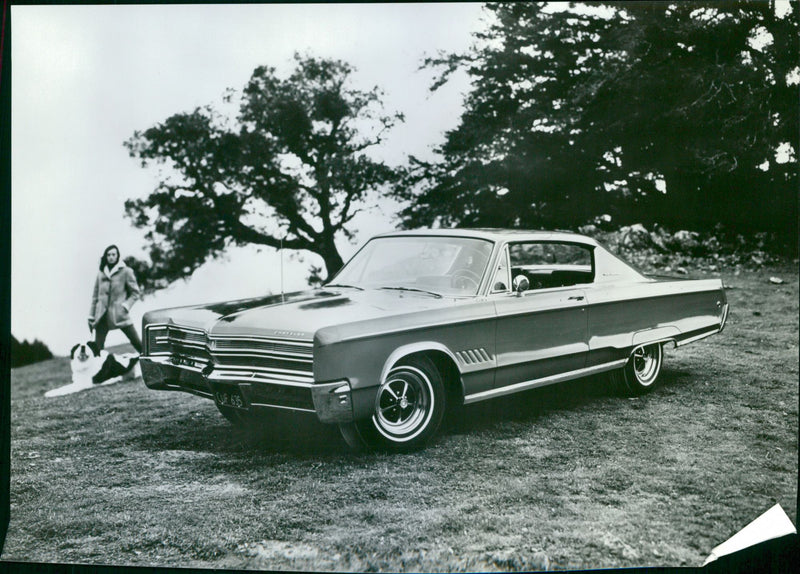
{"points": [[115, 292]]}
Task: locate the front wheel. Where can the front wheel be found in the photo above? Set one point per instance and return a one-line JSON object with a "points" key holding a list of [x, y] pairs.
{"points": [[640, 373], [409, 407]]}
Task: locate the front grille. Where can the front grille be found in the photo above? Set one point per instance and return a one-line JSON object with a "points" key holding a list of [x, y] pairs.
{"points": [[183, 346], [263, 362], [293, 348], [181, 335], [152, 338], [288, 361], [168, 338]]}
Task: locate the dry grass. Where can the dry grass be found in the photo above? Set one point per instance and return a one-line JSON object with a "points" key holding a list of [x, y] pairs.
{"points": [[568, 476]]}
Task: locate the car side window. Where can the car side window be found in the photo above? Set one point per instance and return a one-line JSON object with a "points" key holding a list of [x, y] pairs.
{"points": [[501, 282], [551, 264]]}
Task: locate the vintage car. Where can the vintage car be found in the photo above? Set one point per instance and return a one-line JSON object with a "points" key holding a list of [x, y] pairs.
{"points": [[420, 321]]}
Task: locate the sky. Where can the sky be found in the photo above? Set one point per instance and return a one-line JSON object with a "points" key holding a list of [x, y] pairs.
{"points": [[85, 78]]}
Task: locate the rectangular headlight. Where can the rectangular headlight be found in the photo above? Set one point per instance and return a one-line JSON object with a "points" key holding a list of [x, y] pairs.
{"points": [[156, 341]]}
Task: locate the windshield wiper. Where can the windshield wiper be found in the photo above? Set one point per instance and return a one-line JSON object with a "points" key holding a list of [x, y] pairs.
{"points": [[343, 285], [437, 295]]}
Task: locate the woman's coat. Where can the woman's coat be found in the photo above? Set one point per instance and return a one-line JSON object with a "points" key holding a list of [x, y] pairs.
{"points": [[115, 292]]}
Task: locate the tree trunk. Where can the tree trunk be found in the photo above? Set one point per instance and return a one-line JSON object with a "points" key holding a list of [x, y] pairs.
{"points": [[330, 255]]}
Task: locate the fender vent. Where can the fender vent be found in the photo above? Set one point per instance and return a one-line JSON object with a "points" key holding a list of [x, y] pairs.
{"points": [[473, 356]]}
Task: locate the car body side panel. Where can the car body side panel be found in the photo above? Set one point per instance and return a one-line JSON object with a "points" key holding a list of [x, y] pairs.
{"points": [[623, 316], [362, 352], [540, 333]]}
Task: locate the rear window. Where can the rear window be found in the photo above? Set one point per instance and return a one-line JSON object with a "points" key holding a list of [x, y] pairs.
{"points": [[566, 254], [549, 264]]}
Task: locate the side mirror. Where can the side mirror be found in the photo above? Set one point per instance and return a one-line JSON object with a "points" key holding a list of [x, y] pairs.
{"points": [[521, 284]]}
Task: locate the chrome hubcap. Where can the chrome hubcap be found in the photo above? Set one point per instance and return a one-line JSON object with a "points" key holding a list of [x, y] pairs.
{"points": [[404, 404], [646, 362]]}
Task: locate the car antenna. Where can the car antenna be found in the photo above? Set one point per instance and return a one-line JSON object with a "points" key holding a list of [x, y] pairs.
{"points": [[283, 300]]}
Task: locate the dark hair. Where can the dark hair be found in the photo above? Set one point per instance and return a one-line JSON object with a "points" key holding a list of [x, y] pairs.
{"points": [[103, 258]]}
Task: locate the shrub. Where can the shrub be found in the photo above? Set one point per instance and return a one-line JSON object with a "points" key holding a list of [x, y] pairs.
{"points": [[26, 353]]}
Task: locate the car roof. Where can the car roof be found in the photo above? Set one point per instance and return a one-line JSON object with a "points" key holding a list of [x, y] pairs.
{"points": [[497, 235]]}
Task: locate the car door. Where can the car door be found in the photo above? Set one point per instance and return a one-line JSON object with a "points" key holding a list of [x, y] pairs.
{"points": [[541, 332]]}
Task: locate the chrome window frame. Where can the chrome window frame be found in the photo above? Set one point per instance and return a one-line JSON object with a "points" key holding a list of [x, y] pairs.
{"points": [[502, 254]]}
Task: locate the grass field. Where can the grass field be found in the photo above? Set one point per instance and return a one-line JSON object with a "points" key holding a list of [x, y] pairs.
{"points": [[568, 476]]}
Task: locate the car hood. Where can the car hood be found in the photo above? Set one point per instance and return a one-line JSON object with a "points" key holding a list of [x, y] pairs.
{"points": [[300, 314]]}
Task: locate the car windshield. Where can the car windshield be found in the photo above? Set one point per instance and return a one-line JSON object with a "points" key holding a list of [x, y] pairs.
{"points": [[436, 265]]}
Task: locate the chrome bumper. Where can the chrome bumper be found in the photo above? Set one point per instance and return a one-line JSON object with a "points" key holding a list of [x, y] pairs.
{"points": [[331, 402], [724, 317]]}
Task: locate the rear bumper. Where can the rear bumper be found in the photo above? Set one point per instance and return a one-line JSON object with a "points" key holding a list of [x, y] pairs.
{"points": [[330, 402], [724, 316]]}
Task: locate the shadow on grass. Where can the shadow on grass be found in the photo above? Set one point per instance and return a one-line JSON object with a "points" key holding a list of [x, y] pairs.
{"points": [[302, 435], [280, 433], [528, 406]]}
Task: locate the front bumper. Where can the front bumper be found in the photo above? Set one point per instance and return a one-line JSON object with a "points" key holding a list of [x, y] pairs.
{"points": [[330, 402]]}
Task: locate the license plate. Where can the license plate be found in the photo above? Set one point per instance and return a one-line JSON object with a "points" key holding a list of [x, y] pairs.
{"points": [[230, 397], [183, 361]]}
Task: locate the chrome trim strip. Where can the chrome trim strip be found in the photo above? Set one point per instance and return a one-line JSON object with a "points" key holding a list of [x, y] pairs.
{"points": [[191, 390], [282, 407], [251, 376], [288, 355], [724, 317], [635, 345], [304, 343], [166, 340], [502, 253], [300, 379], [298, 374], [174, 326], [265, 355], [713, 331], [162, 354], [288, 341], [532, 384], [165, 360]]}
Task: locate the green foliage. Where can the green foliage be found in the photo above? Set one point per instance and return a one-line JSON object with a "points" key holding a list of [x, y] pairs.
{"points": [[26, 353], [289, 171], [648, 112]]}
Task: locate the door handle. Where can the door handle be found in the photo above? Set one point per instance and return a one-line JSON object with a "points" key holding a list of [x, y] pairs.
{"points": [[575, 298]]}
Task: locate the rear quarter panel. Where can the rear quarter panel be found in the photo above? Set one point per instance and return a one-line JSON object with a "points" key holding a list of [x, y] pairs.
{"points": [[622, 316]]}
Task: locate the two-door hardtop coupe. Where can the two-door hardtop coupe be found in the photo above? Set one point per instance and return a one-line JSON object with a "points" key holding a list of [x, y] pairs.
{"points": [[418, 321]]}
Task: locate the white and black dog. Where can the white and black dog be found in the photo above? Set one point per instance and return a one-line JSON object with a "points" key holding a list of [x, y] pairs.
{"points": [[92, 366]]}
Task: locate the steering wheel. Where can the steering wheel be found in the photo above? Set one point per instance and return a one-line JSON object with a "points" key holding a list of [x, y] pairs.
{"points": [[465, 279]]}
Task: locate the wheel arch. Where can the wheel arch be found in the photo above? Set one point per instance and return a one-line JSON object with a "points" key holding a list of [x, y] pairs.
{"points": [[661, 342], [667, 334], [442, 357]]}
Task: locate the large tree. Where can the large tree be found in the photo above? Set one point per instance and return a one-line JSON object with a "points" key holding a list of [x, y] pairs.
{"points": [[655, 112], [514, 160], [289, 171], [706, 103]]}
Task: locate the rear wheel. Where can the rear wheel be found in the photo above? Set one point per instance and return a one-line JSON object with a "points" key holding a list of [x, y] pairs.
{"points": [[640, 373], [409, 407]]}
